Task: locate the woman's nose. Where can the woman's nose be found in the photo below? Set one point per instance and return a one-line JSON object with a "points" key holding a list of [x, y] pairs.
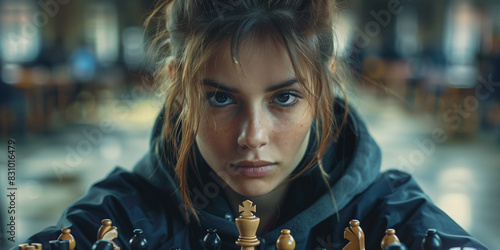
{"points": [[253, 134]]}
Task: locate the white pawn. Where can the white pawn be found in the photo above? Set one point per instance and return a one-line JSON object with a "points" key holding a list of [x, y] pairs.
{"points": [[285, 241]]}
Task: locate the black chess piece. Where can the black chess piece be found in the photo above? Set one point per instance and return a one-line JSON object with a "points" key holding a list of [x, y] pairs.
{"points": [[431, 241], [396, 246], [59, 245], [212, 241], [138, 241], [103, 245]]}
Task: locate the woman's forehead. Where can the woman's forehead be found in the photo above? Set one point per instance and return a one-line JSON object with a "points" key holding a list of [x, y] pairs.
{"points": [[243, 50], [254, 60]]}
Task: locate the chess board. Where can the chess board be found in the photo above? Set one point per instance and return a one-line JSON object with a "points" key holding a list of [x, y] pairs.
{"points": [[247, 224]]}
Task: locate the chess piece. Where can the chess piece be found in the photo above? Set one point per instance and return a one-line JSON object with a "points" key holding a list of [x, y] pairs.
{"points": [[108, 232], [396, 246], [285, 241], [103, 245], [247, 224], [32, 246], [212, 241], [355, 235], [431, 241], [59, 245], [389, 238], [138, 241], [66, 235]]}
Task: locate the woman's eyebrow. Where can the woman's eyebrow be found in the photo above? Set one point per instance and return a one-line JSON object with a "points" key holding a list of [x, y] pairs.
{"points": [[282, 84], [218, 85]]}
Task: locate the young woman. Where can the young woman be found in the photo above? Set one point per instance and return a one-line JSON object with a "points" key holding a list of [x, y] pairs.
{"points": [[251, 113]]}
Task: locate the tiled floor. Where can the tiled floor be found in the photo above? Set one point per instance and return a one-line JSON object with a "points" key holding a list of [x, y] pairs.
{"points": [[460, 175]]}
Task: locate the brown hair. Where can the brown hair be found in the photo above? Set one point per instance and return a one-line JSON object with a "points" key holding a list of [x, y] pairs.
{"points": [[186, 33]]}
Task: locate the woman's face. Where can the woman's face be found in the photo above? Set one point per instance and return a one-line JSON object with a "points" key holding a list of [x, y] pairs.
{"points": [[256, 129]]}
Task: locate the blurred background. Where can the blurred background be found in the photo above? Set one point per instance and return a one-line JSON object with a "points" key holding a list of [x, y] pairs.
{"points": [[73, 97]]}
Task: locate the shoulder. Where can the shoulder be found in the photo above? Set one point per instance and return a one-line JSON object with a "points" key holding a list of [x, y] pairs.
{"points": [[125, 198], [395, 200]]}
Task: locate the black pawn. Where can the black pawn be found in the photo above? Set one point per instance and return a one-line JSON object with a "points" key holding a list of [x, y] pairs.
{"points": [[59, 245], [396, 246], [212, 240], [103, 245], [138, 241], [431, 240]]}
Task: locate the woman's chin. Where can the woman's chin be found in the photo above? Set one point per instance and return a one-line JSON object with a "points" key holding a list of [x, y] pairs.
{"points": [[252, 189]]}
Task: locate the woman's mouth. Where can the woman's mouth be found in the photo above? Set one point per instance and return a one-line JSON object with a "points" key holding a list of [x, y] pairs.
{"points": [[253, 168]]}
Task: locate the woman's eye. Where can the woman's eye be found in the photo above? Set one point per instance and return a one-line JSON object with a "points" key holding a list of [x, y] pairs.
{"points": [[219, 99], [286, 98]]}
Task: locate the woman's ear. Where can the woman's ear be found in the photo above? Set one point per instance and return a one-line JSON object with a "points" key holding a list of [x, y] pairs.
{"points": [[171, 69], [332, 66]]}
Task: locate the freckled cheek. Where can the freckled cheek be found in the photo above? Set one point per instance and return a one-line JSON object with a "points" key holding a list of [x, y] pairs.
{"points": [[291, 134], [216, 135]]}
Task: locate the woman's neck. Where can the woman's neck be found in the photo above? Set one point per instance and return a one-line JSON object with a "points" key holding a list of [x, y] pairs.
{"points": [[267, 205]]}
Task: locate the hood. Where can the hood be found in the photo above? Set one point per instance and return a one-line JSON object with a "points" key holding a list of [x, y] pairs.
{"points": [[352, 162]]}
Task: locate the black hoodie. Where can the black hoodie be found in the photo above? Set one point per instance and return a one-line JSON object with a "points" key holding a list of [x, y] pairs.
{"points": [[149, 198]]}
